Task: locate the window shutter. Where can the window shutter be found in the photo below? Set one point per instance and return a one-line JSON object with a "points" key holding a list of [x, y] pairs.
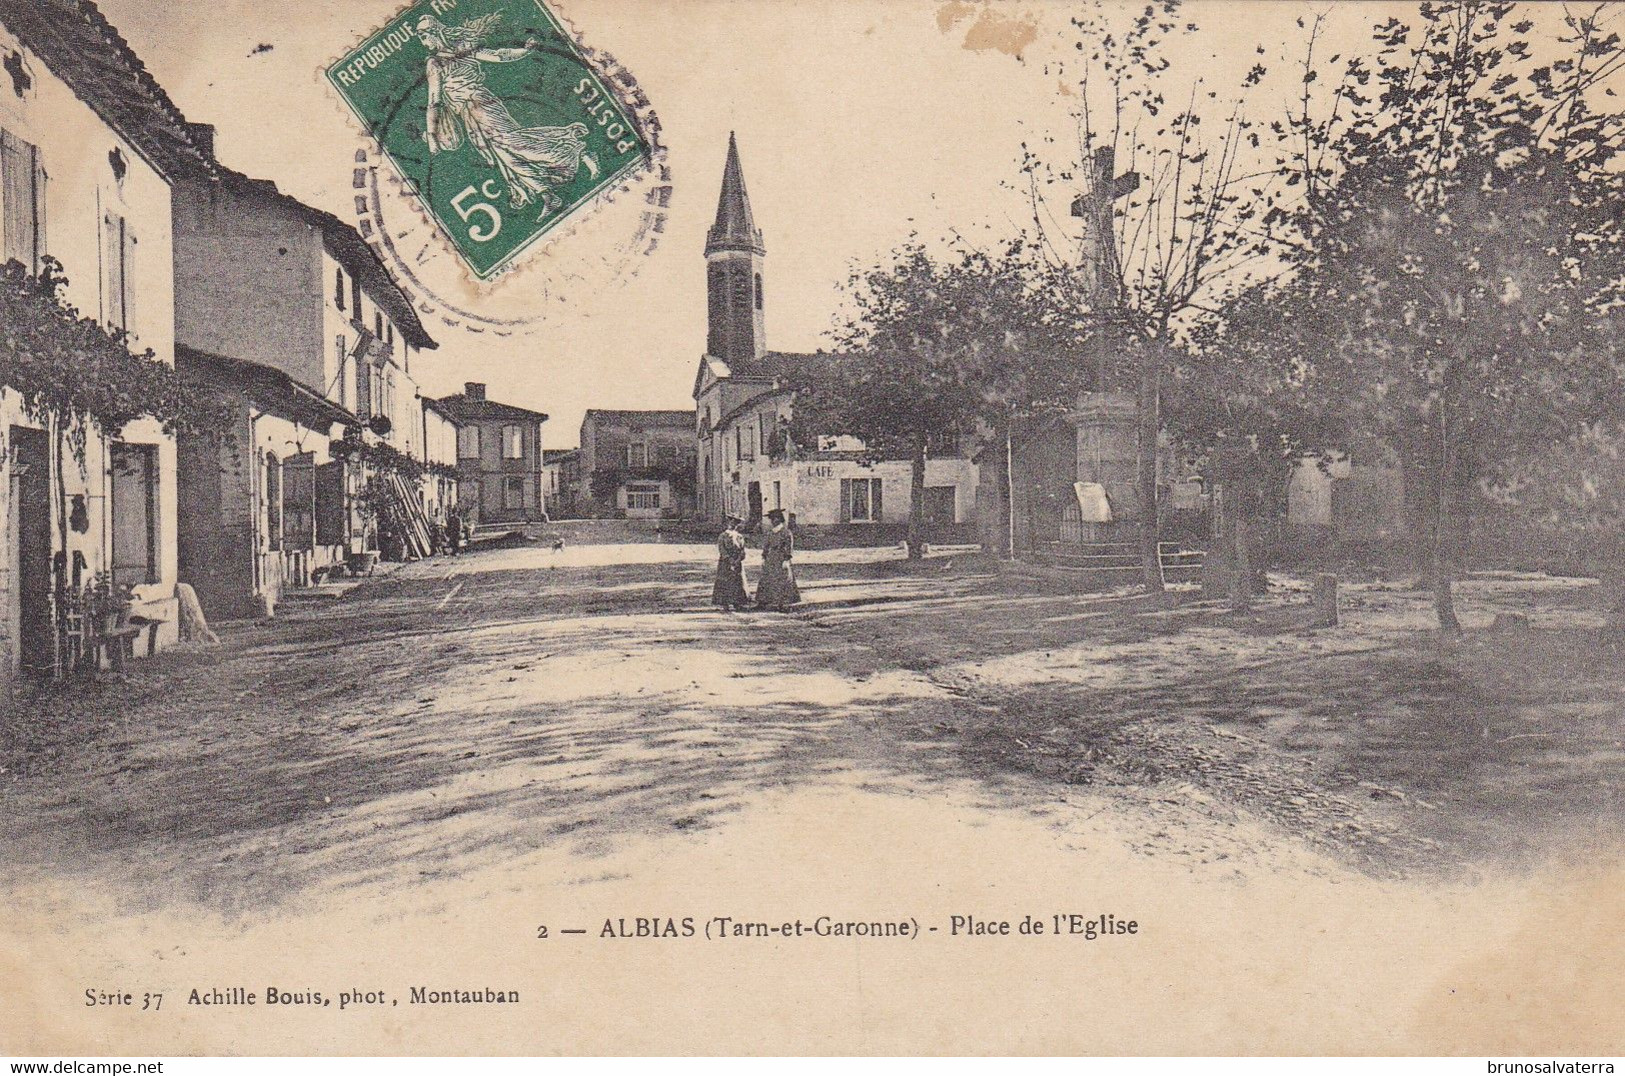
{"points": [[127, 275], [846, 500], [40, 249], [16, 199], [113, 260], [874, 500], [363, 389]]}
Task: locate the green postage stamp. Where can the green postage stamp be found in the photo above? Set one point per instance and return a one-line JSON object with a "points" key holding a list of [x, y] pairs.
{"points": [[493, 117]]}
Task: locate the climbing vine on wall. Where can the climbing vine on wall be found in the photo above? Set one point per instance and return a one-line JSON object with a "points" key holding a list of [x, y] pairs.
{"points": [[66, 367]]}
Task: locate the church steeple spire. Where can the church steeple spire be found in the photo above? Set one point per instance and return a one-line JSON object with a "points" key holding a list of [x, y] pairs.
{"points": [[734, 229], [734, 255]]}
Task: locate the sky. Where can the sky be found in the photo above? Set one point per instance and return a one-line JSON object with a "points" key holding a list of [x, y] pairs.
{"points": [[860, 122]]}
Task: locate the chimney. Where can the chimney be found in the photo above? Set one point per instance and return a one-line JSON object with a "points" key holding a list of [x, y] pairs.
{"points": [[203, 135], [474, 390]]}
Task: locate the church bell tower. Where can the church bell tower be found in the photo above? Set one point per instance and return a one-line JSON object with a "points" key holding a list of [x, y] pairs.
{"points": [[733, 272]]}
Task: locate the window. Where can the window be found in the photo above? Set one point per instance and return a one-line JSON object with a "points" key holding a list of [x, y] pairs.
{"points": [[513, 492], [378, 324], [637, 455], [118, 252], [778, 494], [338, 287], [714, 288], [468, 442], [860, 500], [355, 298], [135, 513], [745, 442], [765, 424], [22, 202], [642, 498], [758, 291], [513, 442]]}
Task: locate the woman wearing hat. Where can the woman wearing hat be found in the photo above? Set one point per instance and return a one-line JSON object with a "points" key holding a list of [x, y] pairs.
{"points": [[729, 591], [777, 589]]}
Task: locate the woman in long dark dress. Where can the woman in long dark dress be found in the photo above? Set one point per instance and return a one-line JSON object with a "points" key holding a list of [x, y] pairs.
{"points": [[777, 589], [729, 591]]}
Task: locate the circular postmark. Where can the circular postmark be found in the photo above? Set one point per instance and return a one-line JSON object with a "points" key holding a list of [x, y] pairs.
{"points": [[507, 163]]}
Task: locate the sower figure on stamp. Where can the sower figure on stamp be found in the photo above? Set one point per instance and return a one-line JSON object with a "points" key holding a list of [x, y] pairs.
{"points": [[729, 591], [777, 590], [531, 160]]}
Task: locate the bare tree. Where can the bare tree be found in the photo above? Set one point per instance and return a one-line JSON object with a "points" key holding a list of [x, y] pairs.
{"points": [[1172, 198]]}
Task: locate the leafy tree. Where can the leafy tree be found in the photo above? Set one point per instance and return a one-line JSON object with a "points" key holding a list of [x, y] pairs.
{"points": [[937, 348], [1460, 255]]}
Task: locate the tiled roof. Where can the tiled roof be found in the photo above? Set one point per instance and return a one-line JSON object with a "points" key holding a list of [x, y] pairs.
{"points": [[774, 364], [82, 48], [682, 419], [269, 385], [462, 409]]}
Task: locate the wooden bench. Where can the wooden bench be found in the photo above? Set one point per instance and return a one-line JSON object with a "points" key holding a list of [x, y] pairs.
{"points": [[120, 641]]}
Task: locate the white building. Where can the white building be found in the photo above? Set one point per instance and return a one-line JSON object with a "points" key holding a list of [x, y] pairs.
{"points": [[89, 147]]}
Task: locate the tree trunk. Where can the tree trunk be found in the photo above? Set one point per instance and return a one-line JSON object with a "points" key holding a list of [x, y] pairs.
{"points": [[1148, 425], [1441, 566], [1010, 488], [1418, 511], [916, 503], [1241, 575]]}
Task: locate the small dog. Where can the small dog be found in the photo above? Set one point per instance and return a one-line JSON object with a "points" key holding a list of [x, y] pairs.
{"points": [[558, 545]]}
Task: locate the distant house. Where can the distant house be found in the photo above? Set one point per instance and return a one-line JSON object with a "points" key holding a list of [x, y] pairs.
{"points": [[440, 485], [637, 464], [499, 457], [561, 471]]}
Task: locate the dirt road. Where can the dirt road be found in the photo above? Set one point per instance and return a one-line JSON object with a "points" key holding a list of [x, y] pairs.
{"points": [[409, 782]]}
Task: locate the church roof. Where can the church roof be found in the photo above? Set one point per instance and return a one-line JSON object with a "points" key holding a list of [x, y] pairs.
{"points": [[735, 228]]}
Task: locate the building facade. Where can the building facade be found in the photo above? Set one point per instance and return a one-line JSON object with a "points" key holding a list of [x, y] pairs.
{"points": [[637, 464], [89, 148], [561, 475], [747, 463], [499, 457], [284, 313]]}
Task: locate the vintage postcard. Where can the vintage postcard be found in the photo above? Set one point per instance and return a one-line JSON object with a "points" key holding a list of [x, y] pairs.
{"points": [[558, 527]]}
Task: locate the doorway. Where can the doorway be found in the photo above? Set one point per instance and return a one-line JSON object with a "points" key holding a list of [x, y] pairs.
{"points": [[754, 492], [31, 509]]}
